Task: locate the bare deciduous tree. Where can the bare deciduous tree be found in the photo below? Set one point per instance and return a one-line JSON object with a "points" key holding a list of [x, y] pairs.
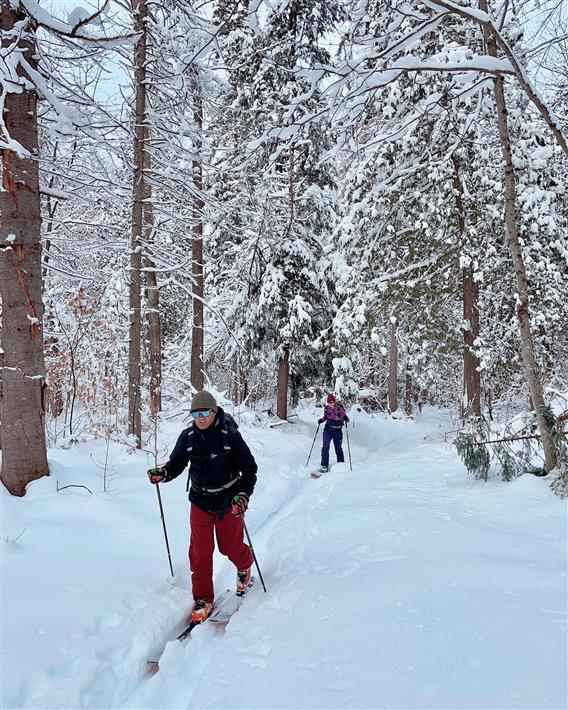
{"points": [[511, 228], [197, 339], [139, 193]]}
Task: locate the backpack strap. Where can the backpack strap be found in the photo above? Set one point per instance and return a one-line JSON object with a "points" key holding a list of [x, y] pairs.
{"points": [[190, 437], [189, 450], [225, 435]]}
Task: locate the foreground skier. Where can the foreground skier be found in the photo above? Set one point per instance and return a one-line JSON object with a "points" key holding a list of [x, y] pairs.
{"points": [[223, 476]]}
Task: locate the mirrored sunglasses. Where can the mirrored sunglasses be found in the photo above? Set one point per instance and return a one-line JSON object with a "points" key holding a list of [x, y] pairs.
{"points": [[201, 413]]}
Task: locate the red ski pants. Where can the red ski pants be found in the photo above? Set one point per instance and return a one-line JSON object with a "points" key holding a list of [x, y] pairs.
{"points": [[229, 532]]}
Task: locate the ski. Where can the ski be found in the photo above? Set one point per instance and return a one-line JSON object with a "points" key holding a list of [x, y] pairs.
{"points": [[154, 666], [223, 614], [225, 606], [318, 473], [217, 606]]}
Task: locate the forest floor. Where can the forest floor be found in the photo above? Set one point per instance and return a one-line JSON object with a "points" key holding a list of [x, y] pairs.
{"points": [[402, 583]]}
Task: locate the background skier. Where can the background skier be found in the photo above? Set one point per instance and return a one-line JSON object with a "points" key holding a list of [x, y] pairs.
{"points": [[334, 417]]}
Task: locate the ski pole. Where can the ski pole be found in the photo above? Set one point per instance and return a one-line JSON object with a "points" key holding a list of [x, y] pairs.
{"points": [[348, 447], [164, 526], [252, 550], [313, 442]]}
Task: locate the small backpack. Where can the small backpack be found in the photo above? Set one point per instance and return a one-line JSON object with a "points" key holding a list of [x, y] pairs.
{"points": [[230, 421]]}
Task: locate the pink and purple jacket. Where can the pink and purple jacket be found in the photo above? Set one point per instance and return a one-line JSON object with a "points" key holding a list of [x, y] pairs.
{"points": [[333, 414]]}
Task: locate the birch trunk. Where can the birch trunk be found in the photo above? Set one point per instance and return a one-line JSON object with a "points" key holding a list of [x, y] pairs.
{"points": [[240, 381], [152, 299], [22, 365], [54, 400], [154, 337], [523, 309]]}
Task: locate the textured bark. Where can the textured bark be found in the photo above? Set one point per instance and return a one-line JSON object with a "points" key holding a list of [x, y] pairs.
{"points": [[54, 393], [471, 374], [393, 370], [197, 340], [408, 391], [282, 386], [24, 456], [523, 311], [240, 383], [470, 297], [153, 306], [154, 339], [138, 194]]}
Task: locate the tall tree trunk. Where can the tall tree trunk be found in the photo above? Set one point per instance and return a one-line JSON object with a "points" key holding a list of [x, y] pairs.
{"points": [[240, 381], [472, 376], [408, 390], [470, 297], [523, 315], [138, 193], [154, 337], [197, 340], [282, 387], [24, 456], [153, 300], [393, 369], [54, 401]]}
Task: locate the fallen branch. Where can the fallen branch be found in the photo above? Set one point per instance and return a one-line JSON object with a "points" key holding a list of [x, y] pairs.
{"points": [[71, 485], [514, 438]]}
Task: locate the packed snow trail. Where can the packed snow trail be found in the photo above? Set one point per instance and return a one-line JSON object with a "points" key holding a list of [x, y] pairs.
{"points": [[399, 584], [402, 583]]}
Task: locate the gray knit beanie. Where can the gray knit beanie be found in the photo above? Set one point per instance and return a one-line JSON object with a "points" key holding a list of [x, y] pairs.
{"points": [[203, 400]]}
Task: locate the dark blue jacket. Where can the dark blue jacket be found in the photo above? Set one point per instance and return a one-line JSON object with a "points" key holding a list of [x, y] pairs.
{"points": [[221, 464]]}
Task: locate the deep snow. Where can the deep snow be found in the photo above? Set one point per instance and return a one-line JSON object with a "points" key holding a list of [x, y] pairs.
{"points": [[403, 583]]}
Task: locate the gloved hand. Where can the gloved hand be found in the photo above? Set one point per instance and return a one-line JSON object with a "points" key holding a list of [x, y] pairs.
{"points": [[346, 418], [321, 421], [156, 475], [239, 504]]}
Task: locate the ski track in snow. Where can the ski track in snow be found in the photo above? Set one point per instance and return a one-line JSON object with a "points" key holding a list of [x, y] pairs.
{"points": [[402, 583]]}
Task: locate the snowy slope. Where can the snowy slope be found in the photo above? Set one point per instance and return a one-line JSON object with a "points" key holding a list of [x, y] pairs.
{"points": [[402, 583]]}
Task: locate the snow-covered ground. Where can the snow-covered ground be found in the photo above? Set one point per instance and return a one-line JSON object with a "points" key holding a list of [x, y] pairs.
{"points": [[400, 584]]}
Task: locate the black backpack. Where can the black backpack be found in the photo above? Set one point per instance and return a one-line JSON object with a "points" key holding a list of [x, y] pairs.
{"points": [[230, 421]]}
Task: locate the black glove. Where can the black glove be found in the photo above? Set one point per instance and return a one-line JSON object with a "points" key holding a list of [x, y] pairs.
{"points": [[157, 475], [239, 504], [321, 421], [346, 418]]}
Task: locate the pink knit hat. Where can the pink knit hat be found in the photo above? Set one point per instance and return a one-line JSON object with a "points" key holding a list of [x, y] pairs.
{"points": [[330, 398]]}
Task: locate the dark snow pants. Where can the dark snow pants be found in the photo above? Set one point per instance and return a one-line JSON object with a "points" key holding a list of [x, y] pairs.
{"points": [[329, 433], [229, 531]]}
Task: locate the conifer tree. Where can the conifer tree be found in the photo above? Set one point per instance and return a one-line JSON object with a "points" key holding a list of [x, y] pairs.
{"points": [[288, 187]]}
